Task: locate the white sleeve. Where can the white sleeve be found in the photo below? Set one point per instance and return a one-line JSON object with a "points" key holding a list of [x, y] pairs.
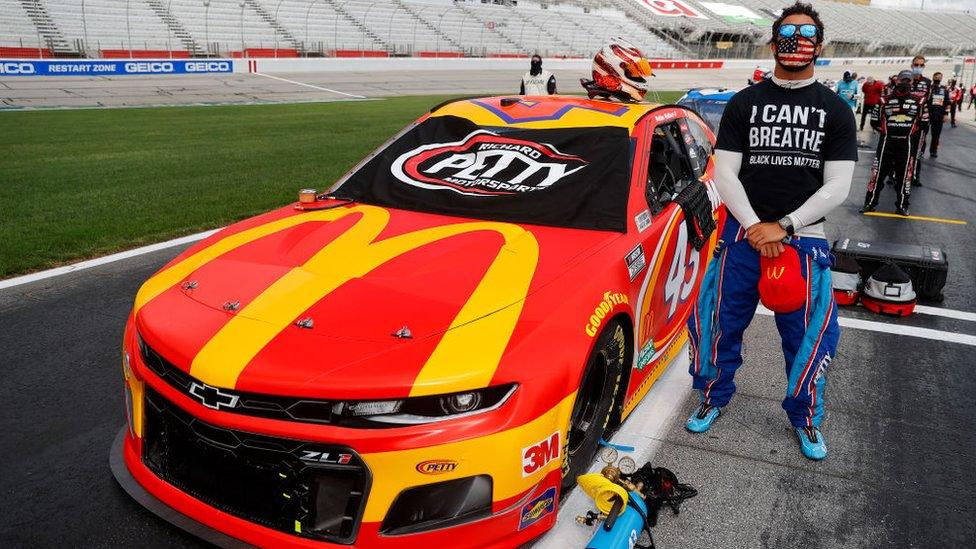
{"points": [[837, 183], [727, 164]]}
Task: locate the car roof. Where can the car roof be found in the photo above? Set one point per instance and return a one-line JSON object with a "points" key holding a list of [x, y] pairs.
{"points": [[545, 112]]}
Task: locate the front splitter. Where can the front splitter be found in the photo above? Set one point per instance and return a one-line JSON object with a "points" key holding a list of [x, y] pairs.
{"points": [[128, 483]]}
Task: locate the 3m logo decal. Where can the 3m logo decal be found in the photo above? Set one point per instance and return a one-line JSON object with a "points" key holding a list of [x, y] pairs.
{"points": [[437, 466], [485, 164], [538, 508], [540, 454]]}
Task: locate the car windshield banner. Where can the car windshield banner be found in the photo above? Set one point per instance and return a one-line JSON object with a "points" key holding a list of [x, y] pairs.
{"points": [[573, 177], [114, 67]]}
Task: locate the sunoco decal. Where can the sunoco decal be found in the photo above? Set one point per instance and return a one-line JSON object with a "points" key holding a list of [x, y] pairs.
{"points": [[485, 164], [537, 509], [610, 300]]}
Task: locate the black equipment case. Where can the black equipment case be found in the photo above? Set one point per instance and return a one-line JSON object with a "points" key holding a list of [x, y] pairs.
{"points": [[927, 266]]}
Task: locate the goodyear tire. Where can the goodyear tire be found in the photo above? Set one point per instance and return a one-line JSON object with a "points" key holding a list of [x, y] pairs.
{"points": [[594, 400]]}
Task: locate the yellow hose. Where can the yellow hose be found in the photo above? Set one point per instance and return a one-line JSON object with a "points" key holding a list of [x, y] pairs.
{"points": [[601, 490]]}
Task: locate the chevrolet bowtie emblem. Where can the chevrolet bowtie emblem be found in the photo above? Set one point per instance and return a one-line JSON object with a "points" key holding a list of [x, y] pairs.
{"points": [[212, 397]]}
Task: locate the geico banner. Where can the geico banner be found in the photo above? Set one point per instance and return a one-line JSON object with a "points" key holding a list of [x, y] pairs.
{"points": [[20, 67]]}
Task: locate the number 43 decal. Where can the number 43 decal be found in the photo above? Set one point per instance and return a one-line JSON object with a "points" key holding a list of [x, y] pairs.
{"points": [[683, 272]]}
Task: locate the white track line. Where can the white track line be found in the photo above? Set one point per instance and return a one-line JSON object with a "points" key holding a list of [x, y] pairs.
{"points": [[34, 277], [947, 313], [899, 329], [297, 83]]}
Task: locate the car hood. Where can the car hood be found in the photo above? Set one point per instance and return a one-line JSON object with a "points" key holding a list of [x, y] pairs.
{"points": [[311, 301]]}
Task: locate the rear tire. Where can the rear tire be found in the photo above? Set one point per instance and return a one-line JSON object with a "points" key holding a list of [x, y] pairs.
{"points": [[595, 397]]}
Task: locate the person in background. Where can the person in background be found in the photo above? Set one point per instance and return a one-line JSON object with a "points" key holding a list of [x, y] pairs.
{"points": [[921, 86], [872, 90], [955, 101], [938, 105], [847, 90], [900, 122], [538, 81], [784, 159], [972, 96]]}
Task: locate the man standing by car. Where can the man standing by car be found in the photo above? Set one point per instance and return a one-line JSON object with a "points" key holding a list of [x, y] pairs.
{"points": [[784, 158], [938, 102], [900, 123], [872, 90], [538, 81]]}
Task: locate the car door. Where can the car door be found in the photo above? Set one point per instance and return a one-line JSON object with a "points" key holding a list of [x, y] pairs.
{"points": [[678, 147]]}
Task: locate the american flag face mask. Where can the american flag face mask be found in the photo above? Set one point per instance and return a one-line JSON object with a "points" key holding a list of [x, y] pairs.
{"points": [[797, 50]]}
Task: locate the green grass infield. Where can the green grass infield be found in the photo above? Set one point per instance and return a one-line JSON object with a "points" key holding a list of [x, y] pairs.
{"points": [[76, 184]]}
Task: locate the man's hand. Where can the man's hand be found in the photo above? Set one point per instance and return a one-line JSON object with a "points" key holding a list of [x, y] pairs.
{"points": [[761, 234], [773, 249]]}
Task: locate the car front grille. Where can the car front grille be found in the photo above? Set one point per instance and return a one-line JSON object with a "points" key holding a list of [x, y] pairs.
{"points": [[302, 488], [252, 404]]}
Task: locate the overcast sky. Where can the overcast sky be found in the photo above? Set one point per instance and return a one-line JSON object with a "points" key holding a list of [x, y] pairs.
{"points": [[956, 5]]}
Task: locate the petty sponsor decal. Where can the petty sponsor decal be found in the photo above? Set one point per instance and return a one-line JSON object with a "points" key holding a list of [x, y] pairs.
{"points": [[540, 454], [642, 220], [610, 300], [636, 261], [538, 508], [437, 466], [485, 164]]}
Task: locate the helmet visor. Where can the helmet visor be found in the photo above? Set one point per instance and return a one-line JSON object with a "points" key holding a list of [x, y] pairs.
{"points": [[638, 69]]}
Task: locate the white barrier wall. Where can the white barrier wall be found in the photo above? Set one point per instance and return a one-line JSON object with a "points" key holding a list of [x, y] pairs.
{"points": [[368, 64]]}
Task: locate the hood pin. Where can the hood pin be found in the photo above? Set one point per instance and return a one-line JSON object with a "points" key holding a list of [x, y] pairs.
{"points": [[189, 285], [232, 305], [403, 333], [306, 323]]}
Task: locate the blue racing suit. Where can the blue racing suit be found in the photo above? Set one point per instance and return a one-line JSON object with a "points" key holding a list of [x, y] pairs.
{"points": [[726, 304]]}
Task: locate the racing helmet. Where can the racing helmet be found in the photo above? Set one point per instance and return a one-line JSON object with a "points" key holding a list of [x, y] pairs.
{"points": [[889, 291], [845, 277], [621, 67]]}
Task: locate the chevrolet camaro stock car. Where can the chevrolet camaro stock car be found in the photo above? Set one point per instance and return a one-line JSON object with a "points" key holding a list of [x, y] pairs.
{"points": [[427, 354]]}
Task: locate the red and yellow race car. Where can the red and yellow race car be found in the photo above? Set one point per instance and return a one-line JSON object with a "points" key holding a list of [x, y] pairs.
{"points": [[428, 354]]}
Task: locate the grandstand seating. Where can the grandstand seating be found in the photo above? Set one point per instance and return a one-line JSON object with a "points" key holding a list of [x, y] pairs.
{"points": [[444, 28]]}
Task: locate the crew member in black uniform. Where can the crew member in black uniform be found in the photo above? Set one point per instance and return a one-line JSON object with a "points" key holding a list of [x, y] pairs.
{"points": [[900, 126], [938, 100], [921, 88]]}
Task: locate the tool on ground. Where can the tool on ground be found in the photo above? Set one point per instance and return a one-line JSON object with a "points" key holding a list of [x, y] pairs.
{"points": [[628, 501]]}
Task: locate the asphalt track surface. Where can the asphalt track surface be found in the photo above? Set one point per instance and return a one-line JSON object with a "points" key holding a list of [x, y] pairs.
{"points": [[899, 421]]}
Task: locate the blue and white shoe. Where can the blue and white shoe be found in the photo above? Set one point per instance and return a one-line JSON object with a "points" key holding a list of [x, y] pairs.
{"points": [[812, 442], [702, 418]]}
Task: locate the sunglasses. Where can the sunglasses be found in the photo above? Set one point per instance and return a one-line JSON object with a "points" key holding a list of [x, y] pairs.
{"points": [[806, 31]]}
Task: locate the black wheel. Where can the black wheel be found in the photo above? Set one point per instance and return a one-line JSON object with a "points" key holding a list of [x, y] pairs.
{"points": [[594, 399]]}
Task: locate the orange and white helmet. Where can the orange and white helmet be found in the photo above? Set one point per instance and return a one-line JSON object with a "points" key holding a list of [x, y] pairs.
{"points": [[621, 67]]}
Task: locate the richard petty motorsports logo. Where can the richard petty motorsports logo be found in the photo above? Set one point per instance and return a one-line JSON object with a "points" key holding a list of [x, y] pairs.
{"points": [[485, 164]]}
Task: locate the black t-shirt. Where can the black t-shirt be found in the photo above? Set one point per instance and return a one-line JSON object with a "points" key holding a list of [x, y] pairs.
{"points": [[785, 136]]}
